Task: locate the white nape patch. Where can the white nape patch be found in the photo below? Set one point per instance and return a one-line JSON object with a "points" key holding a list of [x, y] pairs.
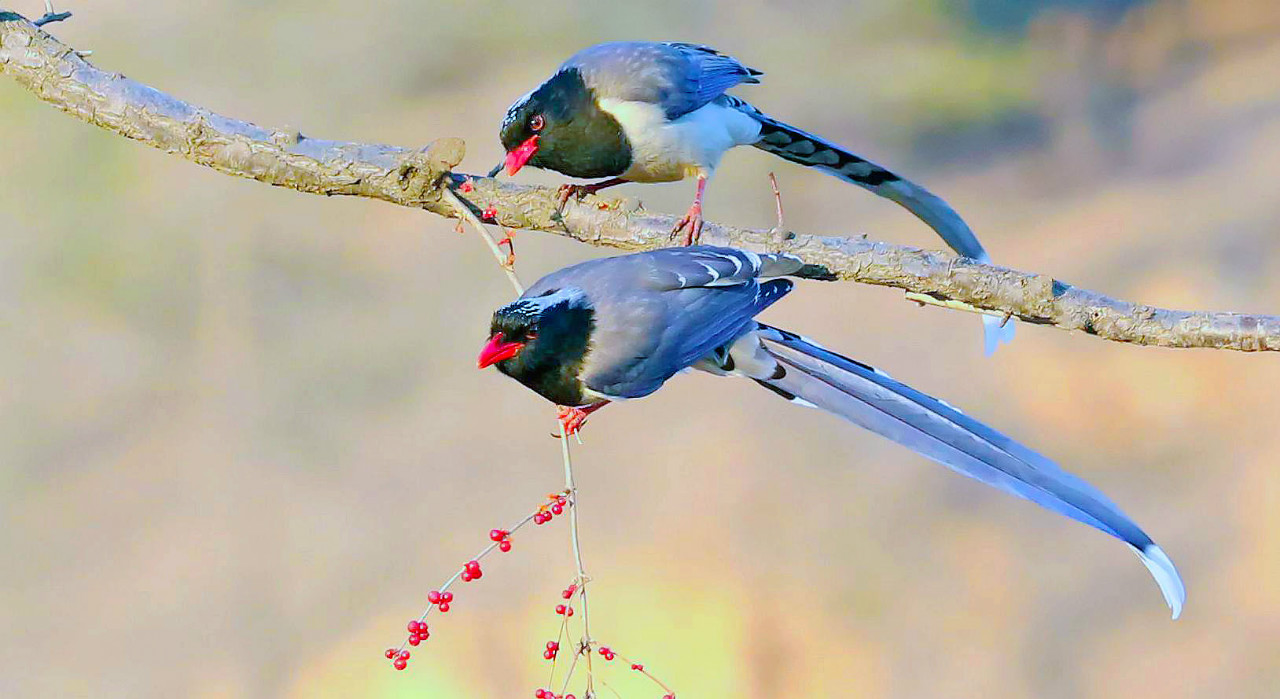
{"points": [[515, 106], [1175, 595], [536, 305], [665, 150]]}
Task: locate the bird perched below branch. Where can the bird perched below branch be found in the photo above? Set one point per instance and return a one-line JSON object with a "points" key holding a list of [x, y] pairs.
{"points": [[657, 112], [617, 328]]}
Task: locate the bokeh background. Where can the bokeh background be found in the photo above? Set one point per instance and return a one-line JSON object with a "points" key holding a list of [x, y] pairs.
{"points": [[241, 434]]}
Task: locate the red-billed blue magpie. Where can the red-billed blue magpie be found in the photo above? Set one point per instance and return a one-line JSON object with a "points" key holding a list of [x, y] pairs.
{"points": [[657, 112], [617, 328]]}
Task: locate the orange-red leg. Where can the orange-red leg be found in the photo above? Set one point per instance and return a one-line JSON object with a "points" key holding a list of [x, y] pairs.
{"points": [[691, 224]]}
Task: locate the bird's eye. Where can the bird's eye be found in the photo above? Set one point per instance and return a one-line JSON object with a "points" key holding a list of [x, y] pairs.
{"points": [[536, 122]]}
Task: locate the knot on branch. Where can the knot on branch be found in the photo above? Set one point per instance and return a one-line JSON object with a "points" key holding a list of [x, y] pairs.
{"points": [[419, 172]]}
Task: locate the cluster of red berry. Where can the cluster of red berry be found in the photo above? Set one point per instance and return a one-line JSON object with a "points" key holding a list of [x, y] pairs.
{"points": [[418, 632], [472, 571], [440, 600], [502, 538], [548, 694], [399, 659], [553, 649], [551, 510]]}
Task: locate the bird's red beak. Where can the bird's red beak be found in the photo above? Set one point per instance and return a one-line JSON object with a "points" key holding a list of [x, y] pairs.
{"points": [[520, 155], [496, 350]]}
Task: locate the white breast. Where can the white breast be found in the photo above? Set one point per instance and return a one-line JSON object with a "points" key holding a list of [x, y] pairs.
{"points": [[666, 151]]}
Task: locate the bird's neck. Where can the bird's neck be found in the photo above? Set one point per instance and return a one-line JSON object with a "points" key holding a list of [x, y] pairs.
{"points": [[587, 141]]}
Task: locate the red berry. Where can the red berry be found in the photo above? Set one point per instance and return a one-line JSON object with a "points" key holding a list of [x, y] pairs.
{"points": [[466, 187], [414, 639], [560, 609], [505, 546], [557, 509], [444, 607], [404, 655], [637, 666], [540, 694], [668, 696], [489, 213], [433, 597], [466, 576], [570, 611], [400, 664], [553, 645], [391, 653], [497, 534], [446, 597], [548, 655], [473, 566], [413, 625]]}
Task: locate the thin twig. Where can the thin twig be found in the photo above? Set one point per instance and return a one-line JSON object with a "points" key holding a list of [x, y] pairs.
{"points": [[465, 213], [571, 487]]}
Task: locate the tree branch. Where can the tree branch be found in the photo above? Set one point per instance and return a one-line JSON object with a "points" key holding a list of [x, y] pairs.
{"points": [[62, 77]]}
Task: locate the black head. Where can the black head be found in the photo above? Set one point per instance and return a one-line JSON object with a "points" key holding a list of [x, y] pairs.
{"points": [[560, 126], [541, 342]]}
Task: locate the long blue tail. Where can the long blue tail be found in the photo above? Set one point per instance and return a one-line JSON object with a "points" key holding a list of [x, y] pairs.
{"points": [[803, 148], [869, 398]]}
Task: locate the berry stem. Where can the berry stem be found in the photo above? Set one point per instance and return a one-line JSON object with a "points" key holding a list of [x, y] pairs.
{"points": [[458, 573], [640, 668], [571, 488]]}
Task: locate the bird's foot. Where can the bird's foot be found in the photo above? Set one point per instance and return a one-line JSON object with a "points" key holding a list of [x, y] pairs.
{"points": [[690, 225], [573, 419], [578, 191], [570, 191]]}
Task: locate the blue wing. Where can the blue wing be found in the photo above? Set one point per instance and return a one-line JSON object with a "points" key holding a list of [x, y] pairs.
{"points": [[658, 312], [678, 77]]}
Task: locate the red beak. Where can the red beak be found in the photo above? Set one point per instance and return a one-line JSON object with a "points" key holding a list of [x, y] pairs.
{"points": [[520, 155], [496, 350]]}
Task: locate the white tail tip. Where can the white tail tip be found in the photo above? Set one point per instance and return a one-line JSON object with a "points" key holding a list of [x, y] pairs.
{"points": [[1175, 595], [995, 332]]}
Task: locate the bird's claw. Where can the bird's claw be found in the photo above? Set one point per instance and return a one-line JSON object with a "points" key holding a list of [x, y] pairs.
{"points": [[691, 225], [572, 419], [567, 191]]}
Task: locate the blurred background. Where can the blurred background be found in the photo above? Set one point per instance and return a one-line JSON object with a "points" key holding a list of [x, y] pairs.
{"points": [[241, 434]]}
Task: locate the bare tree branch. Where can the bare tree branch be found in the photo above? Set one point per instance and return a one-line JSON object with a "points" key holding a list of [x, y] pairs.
{"points": [[60, 76]]}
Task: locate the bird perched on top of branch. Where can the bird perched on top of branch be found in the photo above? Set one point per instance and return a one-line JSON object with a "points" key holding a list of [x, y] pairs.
{"points": [[657, 112], [617, 328]]}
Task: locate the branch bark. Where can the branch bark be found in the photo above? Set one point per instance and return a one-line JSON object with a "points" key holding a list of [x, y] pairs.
{"points": [[413, 177]]}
